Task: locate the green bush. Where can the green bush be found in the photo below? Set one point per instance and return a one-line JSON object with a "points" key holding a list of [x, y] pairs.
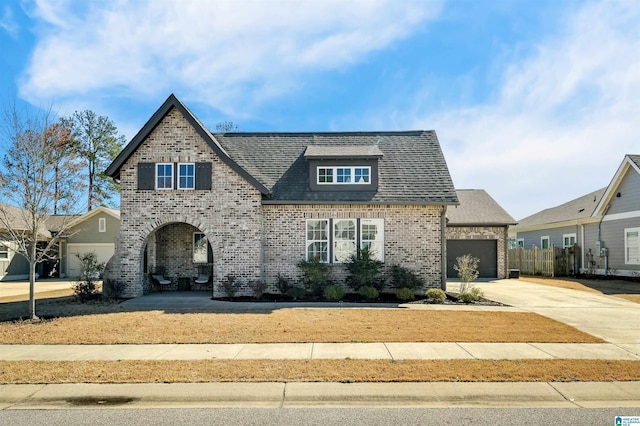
{"points": [[435, 295], [334, 292], [113, 288], [229, 286], [282, 284], [90, 270], [296, 293], [402, 277], [405, 294], [258, 288], [471, 296], [364, 270], [315, 275], [369, 293]]}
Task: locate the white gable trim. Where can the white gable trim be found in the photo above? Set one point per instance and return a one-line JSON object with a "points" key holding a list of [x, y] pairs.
{"points": [[626, 164], [620, 216]]}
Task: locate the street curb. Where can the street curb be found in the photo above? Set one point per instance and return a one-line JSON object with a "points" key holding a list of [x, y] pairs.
{"points": [[305, 394]]}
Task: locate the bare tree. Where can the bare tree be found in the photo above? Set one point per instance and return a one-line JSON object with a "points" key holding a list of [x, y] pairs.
{"points": [[226, 127], [37, 162], [97, 141]]}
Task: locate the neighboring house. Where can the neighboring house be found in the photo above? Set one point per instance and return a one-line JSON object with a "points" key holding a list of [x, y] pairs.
{"points": [[252, 205], [94, 231], [480, 227], [604, 223], [12, 265]]}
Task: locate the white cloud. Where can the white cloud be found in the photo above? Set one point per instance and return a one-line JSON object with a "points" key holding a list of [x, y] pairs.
{"points": [[560, 122], [209, 51], [8, 22]]}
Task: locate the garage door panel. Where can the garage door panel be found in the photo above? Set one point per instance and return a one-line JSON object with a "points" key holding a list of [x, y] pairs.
{"points": [[485, 250], [103, 253]]}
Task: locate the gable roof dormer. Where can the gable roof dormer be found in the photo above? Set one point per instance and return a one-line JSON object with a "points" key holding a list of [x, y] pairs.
{"points": [[630, 162]]}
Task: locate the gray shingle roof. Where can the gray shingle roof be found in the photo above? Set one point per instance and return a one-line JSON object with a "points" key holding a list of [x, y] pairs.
{"points": [[333, 152], [477, 208], [580, 208], [412, 169]]}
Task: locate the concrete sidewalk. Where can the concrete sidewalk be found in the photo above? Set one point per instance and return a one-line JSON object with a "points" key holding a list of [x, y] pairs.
{"points": [[390, 351], [296, 395]]}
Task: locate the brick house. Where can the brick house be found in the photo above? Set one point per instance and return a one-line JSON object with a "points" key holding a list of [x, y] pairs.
{"points": [[253, 205]]}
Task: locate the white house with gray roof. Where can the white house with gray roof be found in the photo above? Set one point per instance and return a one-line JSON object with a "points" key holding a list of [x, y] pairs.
{"points": [[252, 205], [604, 223]]}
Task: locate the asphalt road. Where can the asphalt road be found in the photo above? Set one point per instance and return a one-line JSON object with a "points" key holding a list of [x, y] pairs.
{"points": [[318, 416]]}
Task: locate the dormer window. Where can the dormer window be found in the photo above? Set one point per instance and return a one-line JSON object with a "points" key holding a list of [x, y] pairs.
{"points": [[344, 175], [343, 168]]}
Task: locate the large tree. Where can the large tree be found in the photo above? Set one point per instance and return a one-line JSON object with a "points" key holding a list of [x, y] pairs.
{"points": [[36, 165], [97, 142]]}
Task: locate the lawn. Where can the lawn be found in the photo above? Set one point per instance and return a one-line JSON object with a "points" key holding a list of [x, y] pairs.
{"points": [[108, 323], [628, 290]]}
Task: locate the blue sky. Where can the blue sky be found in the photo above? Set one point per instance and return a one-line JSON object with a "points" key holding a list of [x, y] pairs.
{"points": [[537, 102]]}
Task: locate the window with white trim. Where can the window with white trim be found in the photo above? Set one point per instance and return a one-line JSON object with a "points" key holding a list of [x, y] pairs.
{"points": [[343, 175], [164, 176], [186, 176], [344, 240], [372, 237], [632, 246], [336, 240], [318, 240], [201, 250], [568, 240], [102, 224], [4, 252], [544, 242]]}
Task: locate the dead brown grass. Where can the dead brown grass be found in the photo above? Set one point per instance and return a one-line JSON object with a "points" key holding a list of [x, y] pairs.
{"points": [[618, 288], [295, 325], [316, 371]]}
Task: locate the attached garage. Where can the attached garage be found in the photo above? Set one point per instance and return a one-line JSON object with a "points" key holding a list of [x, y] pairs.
{"points": [[102, 251], [480, 227], [485, 250]]}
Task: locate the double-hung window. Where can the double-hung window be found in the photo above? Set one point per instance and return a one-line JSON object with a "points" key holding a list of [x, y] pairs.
{"points": [[344, 240], [318, 239], [632, 246], [568, 240], [340, 175], [164, 176], [4, 252], [186, 176], [544, 242], [337, 240], [201, 249]]}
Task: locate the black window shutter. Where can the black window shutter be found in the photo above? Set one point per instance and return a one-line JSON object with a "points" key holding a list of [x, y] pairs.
{"points": [[203, 176], [146, 175]]}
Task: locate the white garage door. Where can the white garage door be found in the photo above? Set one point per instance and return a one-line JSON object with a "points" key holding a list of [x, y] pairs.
{"points": [[102, 251]]}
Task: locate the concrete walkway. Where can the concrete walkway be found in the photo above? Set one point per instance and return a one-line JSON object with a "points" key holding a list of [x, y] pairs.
{"points": [[390, 351]]}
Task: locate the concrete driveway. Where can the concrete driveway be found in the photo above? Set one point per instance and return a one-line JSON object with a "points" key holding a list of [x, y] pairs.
{"points": [[611, 318], [12, 291]]}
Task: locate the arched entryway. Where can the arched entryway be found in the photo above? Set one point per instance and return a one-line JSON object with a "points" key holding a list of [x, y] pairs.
{"points": [[182, 254]]}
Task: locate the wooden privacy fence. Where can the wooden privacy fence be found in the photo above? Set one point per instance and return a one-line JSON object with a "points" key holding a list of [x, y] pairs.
{"points": [[550, 262]]}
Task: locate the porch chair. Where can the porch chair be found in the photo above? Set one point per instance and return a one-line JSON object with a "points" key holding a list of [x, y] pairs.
{"points": [[160, 280], [203, 276]]}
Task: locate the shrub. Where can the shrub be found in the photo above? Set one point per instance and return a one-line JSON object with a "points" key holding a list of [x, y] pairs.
{"points": [[90, 269], [467, 267], [435, 295], [402, 277], [369, 293], [364, 270], [283, 285], [296, 292], [315, 275], [258, 288], [229, 286], [405, 294], [113, 288], [470, 296], [334, 292]]}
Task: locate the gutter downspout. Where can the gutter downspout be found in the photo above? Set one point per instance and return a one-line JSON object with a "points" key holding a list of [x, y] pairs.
{"points": [[443, 249], [606, 257]]}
